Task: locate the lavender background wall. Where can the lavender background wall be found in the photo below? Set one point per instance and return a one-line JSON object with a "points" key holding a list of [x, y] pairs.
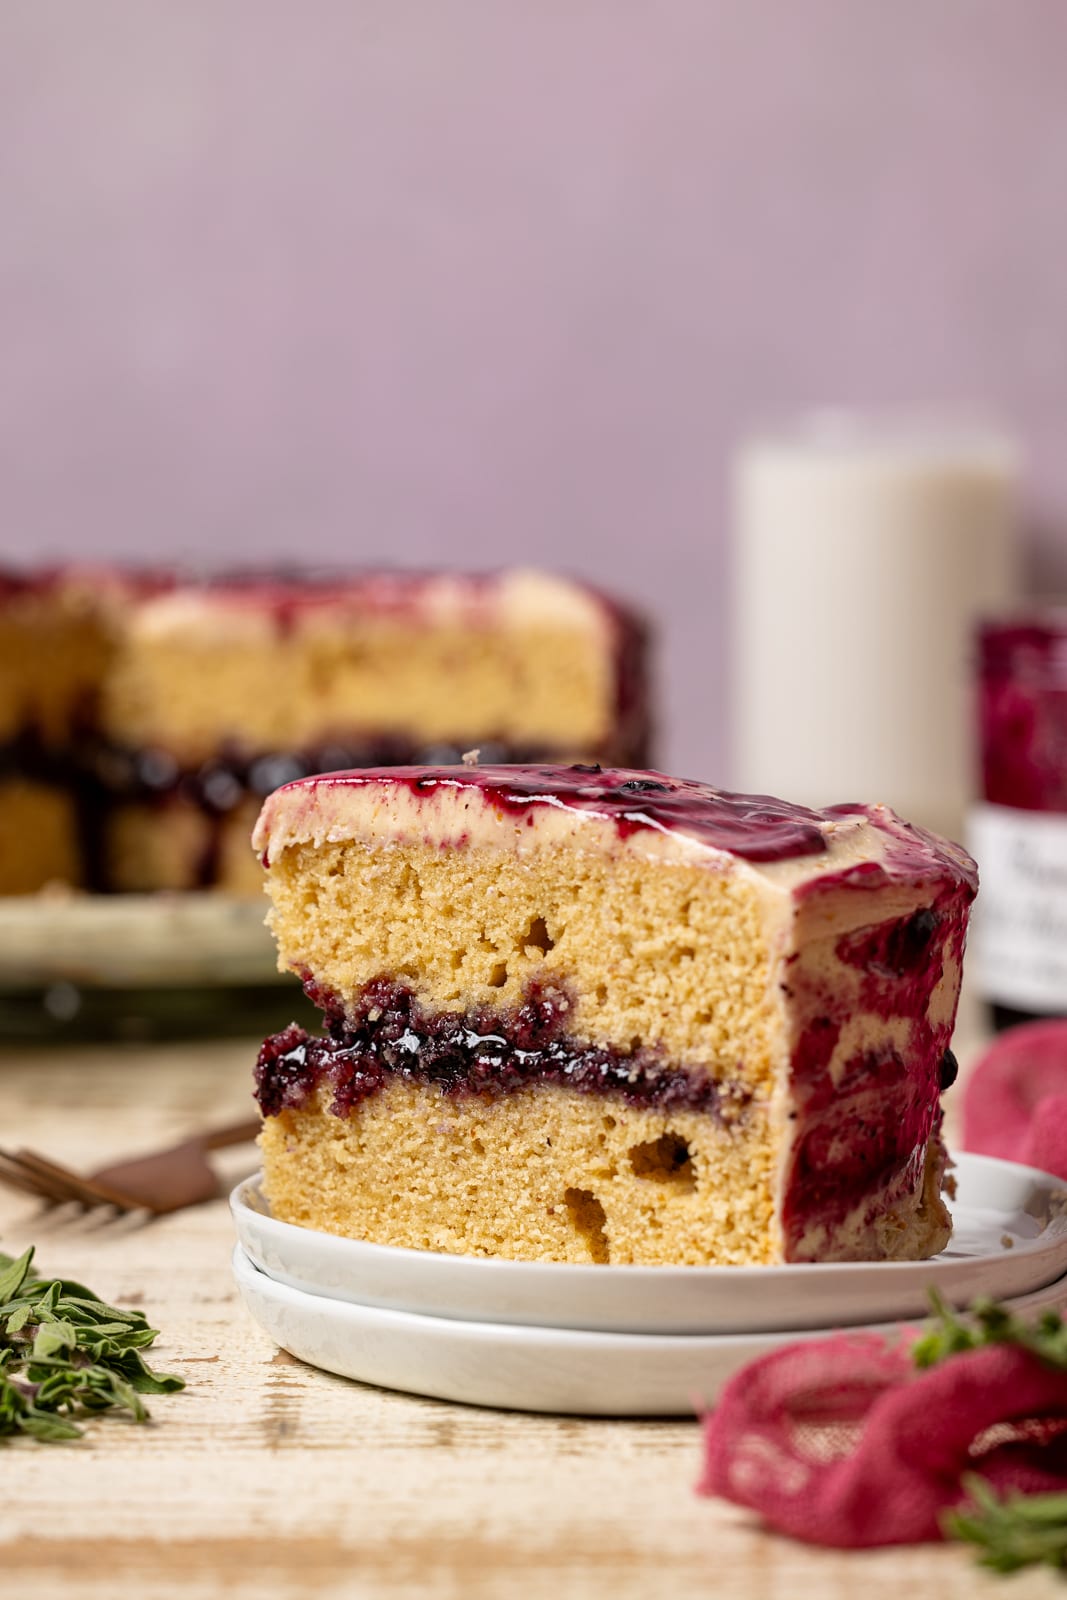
{"points": [[482, 281]]}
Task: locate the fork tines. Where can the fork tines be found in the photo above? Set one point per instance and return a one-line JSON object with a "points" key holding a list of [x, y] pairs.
{"points": [[25, 1170]]}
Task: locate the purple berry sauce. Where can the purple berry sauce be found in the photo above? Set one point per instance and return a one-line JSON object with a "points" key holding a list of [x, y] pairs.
{"points": [[864, 1130], [902, 948], [756, 828], [478, 1053]]}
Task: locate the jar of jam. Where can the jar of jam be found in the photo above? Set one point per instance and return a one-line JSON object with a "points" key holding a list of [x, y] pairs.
{"points": [[1018, 831]]}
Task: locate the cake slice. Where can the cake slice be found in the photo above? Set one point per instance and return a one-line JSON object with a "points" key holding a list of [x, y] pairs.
{"points": [[611, 1016]]}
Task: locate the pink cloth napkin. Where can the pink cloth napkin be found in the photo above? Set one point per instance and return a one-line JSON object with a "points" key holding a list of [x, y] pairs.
{"points": [[1015, 1098], [843, 1441]]}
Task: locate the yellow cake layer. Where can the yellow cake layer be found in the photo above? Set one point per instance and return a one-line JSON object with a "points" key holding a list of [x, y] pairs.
{"points": [[177, 845], [545, 688], [530, 660], [523, 657], [37, 837], [544, 1174], [54, 646]]}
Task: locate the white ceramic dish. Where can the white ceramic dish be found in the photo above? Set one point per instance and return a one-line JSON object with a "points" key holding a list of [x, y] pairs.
{"points": [[517, 1368], [134, 941], [996, 1202]]}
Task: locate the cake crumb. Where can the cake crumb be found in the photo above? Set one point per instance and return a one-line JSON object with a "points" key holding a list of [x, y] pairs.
{"points": [[470, 757], [1007, 1242]]}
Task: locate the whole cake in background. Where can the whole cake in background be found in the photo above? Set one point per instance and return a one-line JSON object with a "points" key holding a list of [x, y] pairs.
{"points": [[144, 716], [576, 1014]]}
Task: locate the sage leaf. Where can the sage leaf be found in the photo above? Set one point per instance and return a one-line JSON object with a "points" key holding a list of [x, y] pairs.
{"points": [[13, 1274], [66, 1355]]}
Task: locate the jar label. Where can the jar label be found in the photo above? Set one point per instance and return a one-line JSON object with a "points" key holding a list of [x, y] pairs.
{"points": [[1017, 950]]}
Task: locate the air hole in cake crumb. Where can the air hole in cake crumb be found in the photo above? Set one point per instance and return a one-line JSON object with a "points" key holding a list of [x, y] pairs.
{"points": [[601, 993], [588, 1219], [687, 952], [664, 1160], [478, 1147], [536, 937], [498, 977], [702, 1018], [410, 882], [609, 1123]]}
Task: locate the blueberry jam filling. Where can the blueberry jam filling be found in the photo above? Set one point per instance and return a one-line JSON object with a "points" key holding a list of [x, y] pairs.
{"points": [[487, 1053]]}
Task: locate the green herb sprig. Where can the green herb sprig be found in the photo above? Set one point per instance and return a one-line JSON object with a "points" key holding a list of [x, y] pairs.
{"points": [[1018, 1530], [987, 1323], [64, 1355], [1014, 1530]]}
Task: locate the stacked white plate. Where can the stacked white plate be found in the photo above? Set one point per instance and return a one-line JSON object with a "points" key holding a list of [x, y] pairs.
{"points": [[620, 1341]]}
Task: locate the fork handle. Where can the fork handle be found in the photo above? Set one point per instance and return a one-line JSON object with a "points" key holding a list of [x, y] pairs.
{"points": [[234, 1133]]}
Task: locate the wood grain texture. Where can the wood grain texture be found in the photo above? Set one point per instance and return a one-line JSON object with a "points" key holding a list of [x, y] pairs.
{"points": [[266, 1478]]}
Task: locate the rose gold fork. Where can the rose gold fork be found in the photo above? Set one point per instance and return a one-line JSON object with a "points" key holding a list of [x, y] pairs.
{"points": [[166, 1180]]}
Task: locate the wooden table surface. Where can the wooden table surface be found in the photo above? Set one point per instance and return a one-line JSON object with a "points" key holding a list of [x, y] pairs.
{"points": [[266, 1478]]}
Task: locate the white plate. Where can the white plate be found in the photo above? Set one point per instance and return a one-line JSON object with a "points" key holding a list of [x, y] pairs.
{"points": [[513, 1367], [996, 1201], [134, 941]]}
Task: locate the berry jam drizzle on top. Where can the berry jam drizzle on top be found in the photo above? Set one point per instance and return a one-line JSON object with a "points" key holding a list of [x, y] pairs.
{"points": [[756, 828]]}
